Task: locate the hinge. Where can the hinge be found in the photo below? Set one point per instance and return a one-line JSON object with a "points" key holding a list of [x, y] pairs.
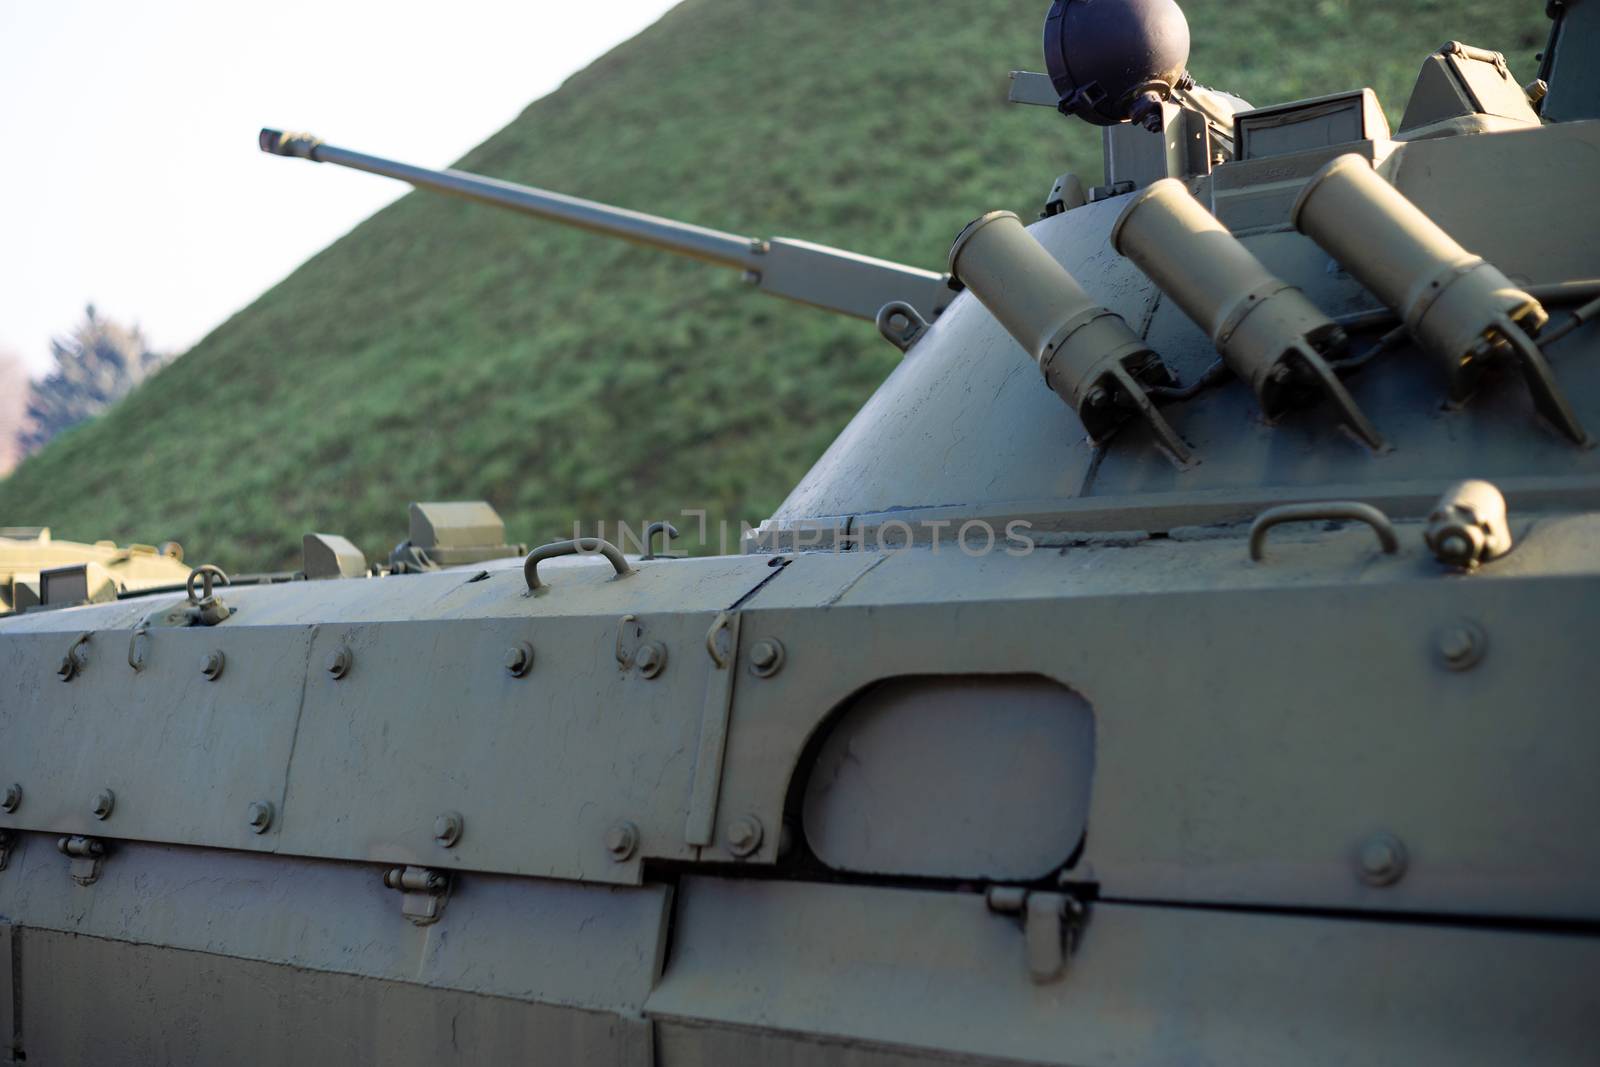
{"points": [[423, 891], [1051, 923], [86, 854]]}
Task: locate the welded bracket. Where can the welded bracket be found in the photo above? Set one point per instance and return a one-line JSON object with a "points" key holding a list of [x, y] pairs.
{"points": [[1548, 398], [901, 324]]}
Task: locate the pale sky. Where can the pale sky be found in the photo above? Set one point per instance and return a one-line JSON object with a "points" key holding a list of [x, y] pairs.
{"points": [[129, 173]]}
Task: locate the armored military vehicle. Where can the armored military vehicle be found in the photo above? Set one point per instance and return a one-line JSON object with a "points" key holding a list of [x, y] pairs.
{"points": [[1185, 656], [36, 569]]}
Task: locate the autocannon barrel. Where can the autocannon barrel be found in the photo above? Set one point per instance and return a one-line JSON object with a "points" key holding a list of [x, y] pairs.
{"points": [[713, 246], [812, 274]]}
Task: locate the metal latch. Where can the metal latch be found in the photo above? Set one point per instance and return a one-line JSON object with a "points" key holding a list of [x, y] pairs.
{"points": [[1051, 923], [423, 891], [86, 854]]}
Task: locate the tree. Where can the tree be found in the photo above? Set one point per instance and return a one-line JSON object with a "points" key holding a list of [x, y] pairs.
{"points": [[97, 364], [13, 406]]}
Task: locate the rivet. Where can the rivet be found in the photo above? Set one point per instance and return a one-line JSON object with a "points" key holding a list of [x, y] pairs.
{"points": [[744, 835], [518, 659], [1461, 646], [766, 657], [211, 666], [1382, 860], [260, 816], [100, 807], [339, 662], [13, 798], [650, 659], [447, 828], [622, 840]]}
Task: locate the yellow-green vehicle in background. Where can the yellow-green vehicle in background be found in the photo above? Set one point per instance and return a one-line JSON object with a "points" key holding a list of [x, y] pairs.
{"points": [[37, 569], [1185, 656]]}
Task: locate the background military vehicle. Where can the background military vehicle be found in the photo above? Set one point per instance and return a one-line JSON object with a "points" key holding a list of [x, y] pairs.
{"points": [[37, 569], [1183, 656]]}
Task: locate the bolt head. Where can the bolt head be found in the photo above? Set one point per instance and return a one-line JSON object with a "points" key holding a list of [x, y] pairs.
{"points": [[1461, 646], [622, 840], [102, 804], [447, 829], [744, 835], [13, 797], [1382, 860], [650, 659], [211, 665], [1097, 398], [766, 657], [1458, 543], [339, 662], [260, 816], [518, 659], [1455, 548]]}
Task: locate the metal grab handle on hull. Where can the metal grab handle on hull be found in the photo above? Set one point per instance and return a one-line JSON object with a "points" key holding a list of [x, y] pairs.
{"points": [[1338, 509], [577, 546]]}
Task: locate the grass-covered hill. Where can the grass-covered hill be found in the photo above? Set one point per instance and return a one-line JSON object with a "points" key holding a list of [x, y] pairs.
{"points": [[446, 350]]}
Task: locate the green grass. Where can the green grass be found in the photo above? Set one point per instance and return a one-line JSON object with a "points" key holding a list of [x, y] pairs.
{"points": [[443, 350]]}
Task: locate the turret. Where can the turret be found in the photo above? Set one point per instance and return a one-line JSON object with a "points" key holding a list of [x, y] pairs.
{"points": [[1285, 300]]}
